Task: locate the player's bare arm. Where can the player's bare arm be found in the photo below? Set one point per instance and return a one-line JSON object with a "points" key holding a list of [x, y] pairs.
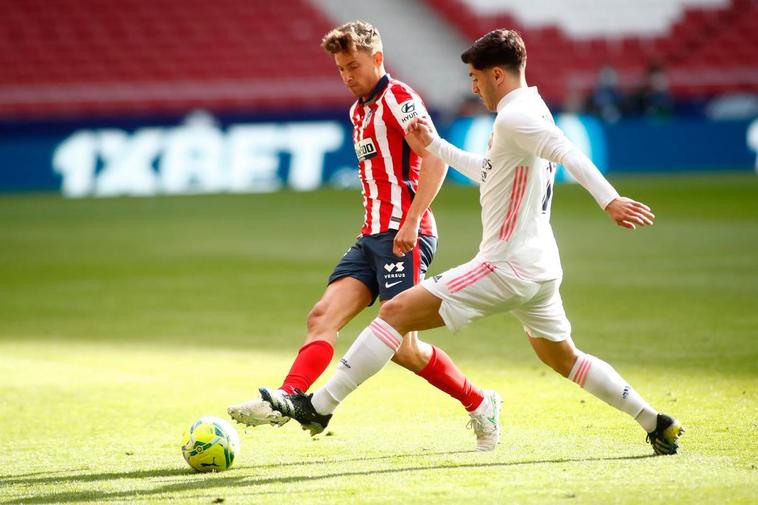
{"points": [[431, 177]]}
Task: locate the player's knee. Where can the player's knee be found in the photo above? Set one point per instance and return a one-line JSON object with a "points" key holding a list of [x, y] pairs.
{"points": [[392, 310]]}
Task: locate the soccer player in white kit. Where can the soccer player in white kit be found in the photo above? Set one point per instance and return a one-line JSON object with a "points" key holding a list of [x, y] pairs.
{"points": [[518, 267]]}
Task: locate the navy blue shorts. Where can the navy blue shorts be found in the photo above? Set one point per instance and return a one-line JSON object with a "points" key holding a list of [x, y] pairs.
{"points": [[372, 262]]}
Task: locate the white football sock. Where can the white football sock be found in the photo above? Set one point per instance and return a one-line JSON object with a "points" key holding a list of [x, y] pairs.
{"points": [[599, 378], [370, 352]]}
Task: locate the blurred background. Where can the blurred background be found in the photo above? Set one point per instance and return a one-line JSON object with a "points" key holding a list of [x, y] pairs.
{"points": [[138, 97], [124, 319]]}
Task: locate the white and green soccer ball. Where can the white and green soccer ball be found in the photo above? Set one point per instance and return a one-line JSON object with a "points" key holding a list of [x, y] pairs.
{"points": [[210, 445]]}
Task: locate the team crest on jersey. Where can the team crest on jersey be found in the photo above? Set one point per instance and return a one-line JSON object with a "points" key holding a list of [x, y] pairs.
{"points": [[368, 117], [365, 149]]}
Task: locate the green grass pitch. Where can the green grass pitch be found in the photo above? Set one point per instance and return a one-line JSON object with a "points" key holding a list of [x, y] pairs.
{"points": [[124, 320]]}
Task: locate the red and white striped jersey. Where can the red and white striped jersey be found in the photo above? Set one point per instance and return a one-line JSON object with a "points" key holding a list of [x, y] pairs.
{"points": [[388, 167]]}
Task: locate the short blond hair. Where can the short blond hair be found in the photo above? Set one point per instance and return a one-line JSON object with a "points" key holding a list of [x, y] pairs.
{"points": [[353, 36]]}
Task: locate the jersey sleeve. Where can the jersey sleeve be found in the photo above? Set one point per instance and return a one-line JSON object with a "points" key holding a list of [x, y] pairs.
{"points": [[404, 105], [586, 173], [539, 136], [469, 164]]}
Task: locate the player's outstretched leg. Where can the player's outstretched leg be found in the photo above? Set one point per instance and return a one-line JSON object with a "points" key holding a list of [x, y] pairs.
{"points": [[310, 362], [434, 365], [342, 300], [600, 379], [297, 406]]}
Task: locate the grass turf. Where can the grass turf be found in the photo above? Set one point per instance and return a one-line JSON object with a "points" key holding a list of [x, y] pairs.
{"points": [[123, 320]]}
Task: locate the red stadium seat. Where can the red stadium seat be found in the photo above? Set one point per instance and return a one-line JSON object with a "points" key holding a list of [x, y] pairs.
{"points": [[82, 48], [724, 38], [82, 43]]}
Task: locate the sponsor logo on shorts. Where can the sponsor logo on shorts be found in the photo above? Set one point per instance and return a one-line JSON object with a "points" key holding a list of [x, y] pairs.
{"points": [[399, 267], [388, 285], [394, 271]]}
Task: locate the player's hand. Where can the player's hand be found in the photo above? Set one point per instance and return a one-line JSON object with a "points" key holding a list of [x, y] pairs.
{"points": [[421, 129], [405, 239], [629, 214]]}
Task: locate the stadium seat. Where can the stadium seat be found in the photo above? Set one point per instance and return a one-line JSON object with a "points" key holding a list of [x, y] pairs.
{"points": [[90, 45], [70, 57], [570, 41]]}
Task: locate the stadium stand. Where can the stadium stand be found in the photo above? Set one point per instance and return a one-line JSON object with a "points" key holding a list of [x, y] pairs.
{"points": [[66, 57], [95, 57], [705, 46]]}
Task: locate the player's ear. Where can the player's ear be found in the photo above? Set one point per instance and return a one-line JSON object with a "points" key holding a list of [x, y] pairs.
{"points": [[378, 58], [499, 75]]}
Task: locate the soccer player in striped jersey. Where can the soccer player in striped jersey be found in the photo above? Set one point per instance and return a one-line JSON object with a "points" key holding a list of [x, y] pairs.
{"points": [[517, 268], [399, 180]]}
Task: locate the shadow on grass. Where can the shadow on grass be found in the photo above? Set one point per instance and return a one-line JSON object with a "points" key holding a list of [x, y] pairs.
{"points": [[31, 479], [230, 480]]}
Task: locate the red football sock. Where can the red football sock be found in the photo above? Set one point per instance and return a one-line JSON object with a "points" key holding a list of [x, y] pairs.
{"points": [[442, 373], [310, 363]]}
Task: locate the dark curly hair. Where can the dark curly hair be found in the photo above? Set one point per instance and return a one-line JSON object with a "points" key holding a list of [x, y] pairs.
{"points": [[499, 48]]}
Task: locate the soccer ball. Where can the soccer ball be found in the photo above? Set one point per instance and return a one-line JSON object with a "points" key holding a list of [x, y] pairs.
{"points": [[210, 445]]}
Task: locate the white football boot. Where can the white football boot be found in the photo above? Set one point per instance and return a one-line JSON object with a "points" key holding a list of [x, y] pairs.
{"points": [[485, 421], [257, 412]]}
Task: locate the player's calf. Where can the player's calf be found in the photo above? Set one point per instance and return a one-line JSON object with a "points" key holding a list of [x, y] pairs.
{"points": [[413, 354]]}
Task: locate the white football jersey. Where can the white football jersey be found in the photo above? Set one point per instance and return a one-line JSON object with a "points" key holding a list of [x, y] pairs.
{"points": [[516, 177]]}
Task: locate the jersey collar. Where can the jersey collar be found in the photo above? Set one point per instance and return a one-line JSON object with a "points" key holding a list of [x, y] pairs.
{"points": [[383, 82], [514, 94]]}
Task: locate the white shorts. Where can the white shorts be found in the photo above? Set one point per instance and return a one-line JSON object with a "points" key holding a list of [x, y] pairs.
{"points": [[478, 289]]}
